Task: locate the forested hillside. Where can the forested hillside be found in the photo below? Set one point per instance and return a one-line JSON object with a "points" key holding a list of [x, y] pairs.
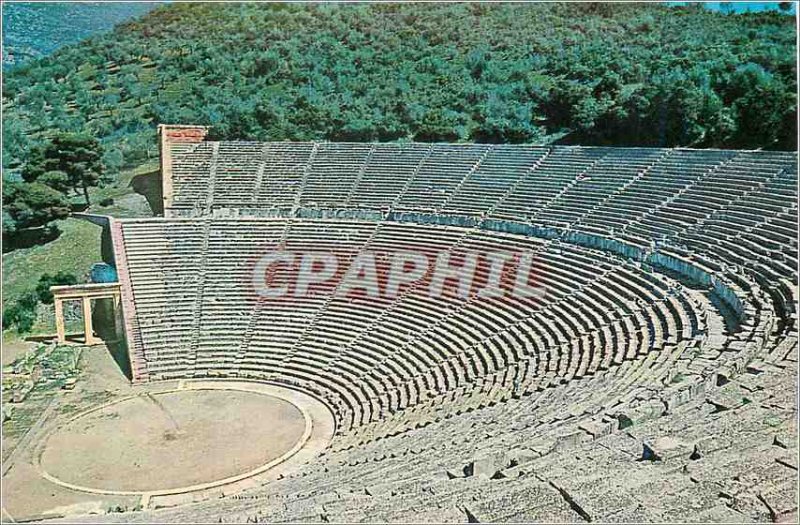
{"points": [[33, 30], [591, 74]]}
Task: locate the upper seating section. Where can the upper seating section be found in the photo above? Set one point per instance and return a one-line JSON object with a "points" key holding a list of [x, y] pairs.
{"points": [[695, 199]]}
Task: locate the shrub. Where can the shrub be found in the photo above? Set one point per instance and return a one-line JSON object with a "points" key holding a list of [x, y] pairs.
{"points": [[46, 281], [22, 313]]}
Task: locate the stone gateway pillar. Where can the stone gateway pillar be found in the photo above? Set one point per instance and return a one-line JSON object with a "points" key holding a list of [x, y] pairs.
{"points": [[88, 329], [86, 293], [62, 337]]}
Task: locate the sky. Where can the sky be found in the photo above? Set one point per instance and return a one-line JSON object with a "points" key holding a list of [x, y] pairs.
{"points": [[743, 7]]}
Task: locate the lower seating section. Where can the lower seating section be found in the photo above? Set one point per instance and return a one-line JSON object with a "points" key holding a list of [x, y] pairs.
{"points": [[164, 269], [201, 316]]}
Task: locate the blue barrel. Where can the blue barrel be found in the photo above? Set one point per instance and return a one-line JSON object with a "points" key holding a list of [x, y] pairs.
{"points": [[103, 273]]}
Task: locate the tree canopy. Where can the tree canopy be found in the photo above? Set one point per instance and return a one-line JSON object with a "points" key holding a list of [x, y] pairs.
{"points": [[642, 74], [46, 281], [68, 161], [31, 205]]}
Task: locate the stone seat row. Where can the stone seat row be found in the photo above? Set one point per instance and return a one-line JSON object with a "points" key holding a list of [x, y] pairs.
{"points": [[279, 332], [416, 199], [746, 181]]}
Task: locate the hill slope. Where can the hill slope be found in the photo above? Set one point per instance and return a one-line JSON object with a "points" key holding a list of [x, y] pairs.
{"points": [[595, 74], [33, 30]]}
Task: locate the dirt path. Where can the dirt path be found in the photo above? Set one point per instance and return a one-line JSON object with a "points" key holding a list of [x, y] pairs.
{"points": [[12, 349]]}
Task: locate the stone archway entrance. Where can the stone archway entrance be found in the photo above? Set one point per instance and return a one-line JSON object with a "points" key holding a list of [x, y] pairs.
{"points": [[86, 293]]}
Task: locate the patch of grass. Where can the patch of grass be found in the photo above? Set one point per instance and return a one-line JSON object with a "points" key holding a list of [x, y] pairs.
{"points": [[68, 408], [78, 246], [97, 398], [126, 202], [75, 250]]}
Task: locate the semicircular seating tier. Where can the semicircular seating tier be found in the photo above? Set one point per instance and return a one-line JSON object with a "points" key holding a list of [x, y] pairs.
{"points": [[654, 262], [703, 201], [727, 210], [199, 315]]}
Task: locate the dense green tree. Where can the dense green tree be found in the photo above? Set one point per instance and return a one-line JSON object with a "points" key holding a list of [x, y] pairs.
{"points": [[624, 74], [9, 224], [68, 161], [22, 312], [28, 213], [31, 205], [760, 99], [58, 180]]}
